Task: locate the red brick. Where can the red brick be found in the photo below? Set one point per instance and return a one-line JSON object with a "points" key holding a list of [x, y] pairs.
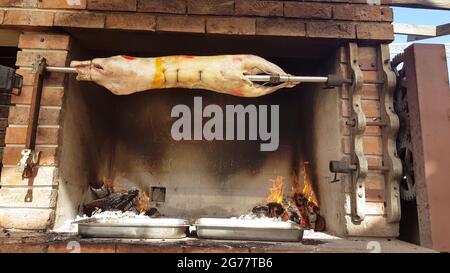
{"points": [[374, 160], [371, 91], [371, 108], [370, 31], [47, 116], [330, 29], [17, 135], [19, 3], [372, 146], [115, 5], [259, 8], [346, 145], [375, 181], [163, 6], [43, 176], [370, 75], [131, 21], [227, 25], [51, 96], [357, 12], [387, 14], [214, 7], [130, 248], [42, 197], [307, 10], [25, 219], [368, 58], [280, 27], [84, 248], [180, 23], [62, 4], [80, 19], [43, 41], [373, 131], [345, 108], [12, 155], [28, 57], [28, 18], [374, 195]]}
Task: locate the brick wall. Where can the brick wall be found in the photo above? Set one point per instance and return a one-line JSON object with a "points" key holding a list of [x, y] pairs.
{"points": [[15, 212], [342, 19]]}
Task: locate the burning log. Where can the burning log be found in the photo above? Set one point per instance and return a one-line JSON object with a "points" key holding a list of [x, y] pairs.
{"points": [[275, 210], [122, 201], [152, 212], [293, 213], [261, 211]]}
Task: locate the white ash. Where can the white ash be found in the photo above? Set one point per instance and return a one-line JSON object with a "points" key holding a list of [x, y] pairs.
{"points": [[252, 216], [71, 226]]}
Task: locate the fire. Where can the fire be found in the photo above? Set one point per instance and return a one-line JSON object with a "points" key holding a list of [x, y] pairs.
{"points": [[142, 202], [276, 192], [307, 190]]}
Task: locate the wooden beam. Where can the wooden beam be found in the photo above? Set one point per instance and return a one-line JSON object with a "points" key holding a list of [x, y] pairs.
{"points": [[418, 30], [443, 30], [429, 4]]}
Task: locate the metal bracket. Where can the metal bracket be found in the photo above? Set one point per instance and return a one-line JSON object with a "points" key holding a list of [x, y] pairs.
{"points": [[357, 131], [28, 161], [30, 157], [391, 160]]}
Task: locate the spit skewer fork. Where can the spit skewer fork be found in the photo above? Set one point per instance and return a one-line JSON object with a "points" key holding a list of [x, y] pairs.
{"points": [[330, 80]]}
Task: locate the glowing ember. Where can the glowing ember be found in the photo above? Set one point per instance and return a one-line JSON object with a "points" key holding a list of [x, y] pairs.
{"points": [[142, 202], [276, 192]]}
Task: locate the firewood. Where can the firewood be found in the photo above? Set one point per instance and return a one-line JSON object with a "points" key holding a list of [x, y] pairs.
{"points": [[261, 211], [115, 201], [275, 209]]}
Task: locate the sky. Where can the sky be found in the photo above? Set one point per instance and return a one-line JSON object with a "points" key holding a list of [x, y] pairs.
{"points": [[422, 17]]}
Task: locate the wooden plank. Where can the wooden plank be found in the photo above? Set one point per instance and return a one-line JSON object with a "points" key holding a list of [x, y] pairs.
{"points": [[430, 4], [443, 30], [410, 29]]}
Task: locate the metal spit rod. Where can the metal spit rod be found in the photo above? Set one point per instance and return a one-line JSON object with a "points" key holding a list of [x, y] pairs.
{"points": [[286, 78], [61, 69], [253, 78]]}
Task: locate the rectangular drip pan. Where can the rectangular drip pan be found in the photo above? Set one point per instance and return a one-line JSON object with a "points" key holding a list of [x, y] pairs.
{"points": [[157, 228], [253, 230]]}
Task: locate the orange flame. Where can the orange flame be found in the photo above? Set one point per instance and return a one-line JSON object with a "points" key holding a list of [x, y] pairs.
{"points": [[142, 202], [276, 192], [307, 186]]}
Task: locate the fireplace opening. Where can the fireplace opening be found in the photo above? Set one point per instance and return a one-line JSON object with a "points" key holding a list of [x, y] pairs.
{"points": [[125, 142]]}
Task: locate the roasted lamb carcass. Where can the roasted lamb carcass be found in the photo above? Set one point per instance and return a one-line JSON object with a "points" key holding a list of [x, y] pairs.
{"points": [[124, 75]]}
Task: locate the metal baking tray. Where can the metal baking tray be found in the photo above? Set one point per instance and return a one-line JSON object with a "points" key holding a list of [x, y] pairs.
{"points": [[154, 228], [252, 230]]}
